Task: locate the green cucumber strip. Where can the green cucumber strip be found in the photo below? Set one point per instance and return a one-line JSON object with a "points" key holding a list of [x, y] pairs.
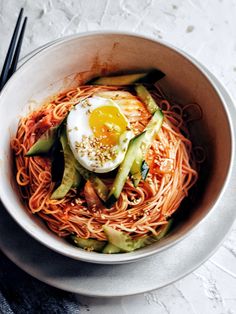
{"points": [[100, 188], [149, 77], [76, 180], [98, 185], [152, 129], [44, 144], [142, 242], [90, 244], [135, 170], [124, 169], [118, 80], [111, 249], [119, 239], [146, 98], [139, 169], [122, 241], [69, 170], [165, 230]]}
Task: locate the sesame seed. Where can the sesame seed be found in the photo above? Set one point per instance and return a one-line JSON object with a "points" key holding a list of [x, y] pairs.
{"points": [[95, 150]]}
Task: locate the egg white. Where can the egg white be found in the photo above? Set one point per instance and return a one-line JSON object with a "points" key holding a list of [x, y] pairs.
{"points": [[78, 126]]}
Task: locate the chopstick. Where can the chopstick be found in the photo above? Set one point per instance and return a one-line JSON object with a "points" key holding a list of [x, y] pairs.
{"points": [[13, 52]]}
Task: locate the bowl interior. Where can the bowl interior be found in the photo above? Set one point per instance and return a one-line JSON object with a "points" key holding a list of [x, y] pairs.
{"points": [[73, 61]]}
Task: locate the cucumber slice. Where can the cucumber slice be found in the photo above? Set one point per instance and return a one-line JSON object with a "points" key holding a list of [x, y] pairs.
{"points": [[44, 144], [119, 239], [164, 231], [142, 242], [69, 170], [118, 80], [89, 244], [152, 129], [140, 169], [149, 77], [73, 172], [135, 170], [98, 185], [121, 242], [111, 249], [77, 180], [146, 98], [124, 169]]}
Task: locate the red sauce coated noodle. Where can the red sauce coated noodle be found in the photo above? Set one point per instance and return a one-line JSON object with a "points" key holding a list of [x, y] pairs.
{"points": [[139, 211]]}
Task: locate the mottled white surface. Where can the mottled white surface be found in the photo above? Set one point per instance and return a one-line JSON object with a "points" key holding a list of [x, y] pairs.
{"points": [[206, 29]]}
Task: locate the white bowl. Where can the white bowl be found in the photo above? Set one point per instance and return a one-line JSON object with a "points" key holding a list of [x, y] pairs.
{"points": [[74, 60]]}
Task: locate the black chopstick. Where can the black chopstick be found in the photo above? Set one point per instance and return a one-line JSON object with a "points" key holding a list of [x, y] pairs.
{"points": [[13, 52], [17, 51]]}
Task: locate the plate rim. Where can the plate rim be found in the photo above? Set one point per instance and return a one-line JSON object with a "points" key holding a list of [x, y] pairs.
{"points": [[31, 271]]}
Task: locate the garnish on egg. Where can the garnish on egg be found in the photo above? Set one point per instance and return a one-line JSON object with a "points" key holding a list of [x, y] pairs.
{"points": [[95, 150], [98, 134]]}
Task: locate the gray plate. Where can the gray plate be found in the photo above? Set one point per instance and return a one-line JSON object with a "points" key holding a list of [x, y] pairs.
{"points": [[125, 279]]}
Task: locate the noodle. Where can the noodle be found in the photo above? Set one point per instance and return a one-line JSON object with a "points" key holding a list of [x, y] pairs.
{"points": [[138, 211]]}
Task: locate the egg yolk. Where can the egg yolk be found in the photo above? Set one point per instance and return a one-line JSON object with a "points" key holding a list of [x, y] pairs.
{"points": [[107, 124]]}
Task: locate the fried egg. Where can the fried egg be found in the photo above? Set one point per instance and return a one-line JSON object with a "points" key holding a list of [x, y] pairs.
{"points": [[98, 134]]}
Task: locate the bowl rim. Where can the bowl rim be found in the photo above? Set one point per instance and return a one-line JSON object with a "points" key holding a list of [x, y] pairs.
{"points": [[99, 258]]}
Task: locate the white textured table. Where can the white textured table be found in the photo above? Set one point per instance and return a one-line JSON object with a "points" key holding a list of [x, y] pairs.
{"points": [[205, 29]]}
